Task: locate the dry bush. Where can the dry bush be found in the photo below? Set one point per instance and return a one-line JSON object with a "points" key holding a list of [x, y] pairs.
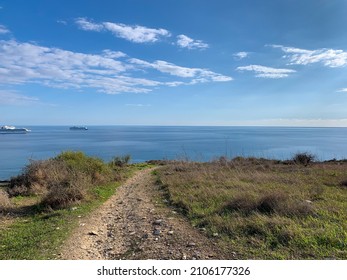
{"points": [[63, 192], [4, 200], [272, 202], [243, 203], [303, 158]]}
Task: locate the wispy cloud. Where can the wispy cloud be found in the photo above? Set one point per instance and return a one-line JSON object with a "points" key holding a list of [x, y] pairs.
{"points": [[198, 74], [133, 33], [184, 41], [63, 22], [267, 72], [240, 55], [10, 97], [109, 71], [342, 90], [328, 57], [3, 29]]}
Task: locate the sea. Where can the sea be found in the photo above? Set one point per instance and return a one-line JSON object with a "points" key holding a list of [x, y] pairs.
{"points": [[143, 143]]}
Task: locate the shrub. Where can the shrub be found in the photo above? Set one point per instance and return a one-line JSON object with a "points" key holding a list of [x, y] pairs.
{"points": [[272, 202], [121, 160], [91, 166], [71, 189], [62, 180], [303, 158], [243, 203]]}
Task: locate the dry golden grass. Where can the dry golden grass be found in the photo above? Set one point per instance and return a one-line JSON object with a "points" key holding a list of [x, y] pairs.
{"points": [[4, 200]]}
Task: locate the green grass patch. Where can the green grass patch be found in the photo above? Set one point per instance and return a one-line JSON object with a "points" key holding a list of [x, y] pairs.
{"points": [[38, 235]]}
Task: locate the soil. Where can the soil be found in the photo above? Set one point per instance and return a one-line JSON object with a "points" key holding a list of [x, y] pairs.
{"points": [[137, 223]]}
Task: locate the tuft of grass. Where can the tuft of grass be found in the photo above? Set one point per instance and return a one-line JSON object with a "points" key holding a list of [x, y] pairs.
{"points": [[264, 209]]}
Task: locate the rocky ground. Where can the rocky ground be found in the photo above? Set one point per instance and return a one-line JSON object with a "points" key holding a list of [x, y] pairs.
{"points": [[136, 223]]}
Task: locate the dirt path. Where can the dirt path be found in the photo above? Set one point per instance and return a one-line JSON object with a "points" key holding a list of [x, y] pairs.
{"points": [[135, 224]]}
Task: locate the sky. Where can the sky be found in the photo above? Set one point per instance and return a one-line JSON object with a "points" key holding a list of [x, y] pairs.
{"points": [[173, 62]]}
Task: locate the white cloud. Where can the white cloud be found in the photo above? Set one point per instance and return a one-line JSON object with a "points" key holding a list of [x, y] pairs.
{"points": [[136, 33], [3, 29], [14, 98], [240, 55], [342, 90], [108, 72], [85, 24], [184, 41], [267, 72], [329, 57]]}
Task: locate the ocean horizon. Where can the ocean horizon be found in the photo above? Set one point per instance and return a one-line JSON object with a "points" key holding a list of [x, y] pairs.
{"points": [[143, 143]]}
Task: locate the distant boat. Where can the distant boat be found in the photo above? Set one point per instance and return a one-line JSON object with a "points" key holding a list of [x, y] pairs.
{"points": [[78, 128], [7, 129]]}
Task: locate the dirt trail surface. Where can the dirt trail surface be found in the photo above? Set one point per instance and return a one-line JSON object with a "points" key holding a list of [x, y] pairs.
{"points": [[135, 223]]}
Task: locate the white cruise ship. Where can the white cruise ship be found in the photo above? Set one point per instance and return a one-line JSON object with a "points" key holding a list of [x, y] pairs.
{"points": [[6, 129]]}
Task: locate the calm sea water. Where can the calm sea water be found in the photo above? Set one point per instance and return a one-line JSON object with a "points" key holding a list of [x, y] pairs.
{"points": [[162, 142]]}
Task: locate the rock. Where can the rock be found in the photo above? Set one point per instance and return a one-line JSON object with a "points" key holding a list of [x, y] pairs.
{"points": [[215, 234], [156, 231], [74, 208], [184, 257], [170, 232], [158, 222], [132, 233], [93, 233], [308, 201], [145, 236], [191, 244]]}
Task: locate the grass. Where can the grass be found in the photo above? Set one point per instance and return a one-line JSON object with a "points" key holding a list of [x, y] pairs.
{"points": [[31, 230], [264, 209]]}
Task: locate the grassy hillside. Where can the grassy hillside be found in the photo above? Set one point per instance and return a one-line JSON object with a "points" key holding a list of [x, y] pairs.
{"points": [[263, 209]]}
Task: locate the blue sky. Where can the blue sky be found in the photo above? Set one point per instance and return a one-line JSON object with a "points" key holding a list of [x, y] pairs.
{"points": [[173, 62]]}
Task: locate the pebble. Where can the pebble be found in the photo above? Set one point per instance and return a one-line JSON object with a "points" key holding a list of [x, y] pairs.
{"points": [[215, 234], [170, 232], [132, 233], [145, 236], [191, 244], [184, 257], [92, 233], [156, 232], [158, 222]]}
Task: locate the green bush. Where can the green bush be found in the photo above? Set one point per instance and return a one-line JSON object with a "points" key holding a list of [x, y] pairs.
{"points": [[65, 179]]}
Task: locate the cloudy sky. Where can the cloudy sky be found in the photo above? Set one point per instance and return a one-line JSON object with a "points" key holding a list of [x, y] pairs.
{"points": [[173, 62]]}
